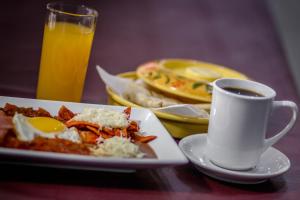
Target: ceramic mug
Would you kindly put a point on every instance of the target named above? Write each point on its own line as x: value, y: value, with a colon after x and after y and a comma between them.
x: 238, y: 123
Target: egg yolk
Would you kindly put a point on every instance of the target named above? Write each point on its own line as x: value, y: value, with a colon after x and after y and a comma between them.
x: 46, y: 124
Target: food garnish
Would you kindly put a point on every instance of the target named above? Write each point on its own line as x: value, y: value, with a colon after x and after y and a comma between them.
x: 94, y: 131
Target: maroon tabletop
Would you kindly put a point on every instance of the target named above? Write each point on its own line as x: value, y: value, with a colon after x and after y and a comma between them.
x: 233, y: 33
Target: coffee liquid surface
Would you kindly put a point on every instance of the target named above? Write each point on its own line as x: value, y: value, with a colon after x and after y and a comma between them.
x: 241, y: 91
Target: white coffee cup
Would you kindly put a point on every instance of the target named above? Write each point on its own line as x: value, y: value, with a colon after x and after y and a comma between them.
x: 238, y: 123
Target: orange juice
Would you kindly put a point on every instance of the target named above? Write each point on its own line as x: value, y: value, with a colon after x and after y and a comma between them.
x: 64, y: 61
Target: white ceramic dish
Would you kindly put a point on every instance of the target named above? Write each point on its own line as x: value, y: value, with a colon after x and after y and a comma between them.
x: 272, y: 163
x: 166, y: 149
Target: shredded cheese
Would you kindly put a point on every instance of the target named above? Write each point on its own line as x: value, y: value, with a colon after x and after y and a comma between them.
x: 117, y: 147
x: 103, y: 117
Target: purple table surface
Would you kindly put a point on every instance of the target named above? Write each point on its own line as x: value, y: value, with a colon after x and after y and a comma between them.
x: 233, y: 33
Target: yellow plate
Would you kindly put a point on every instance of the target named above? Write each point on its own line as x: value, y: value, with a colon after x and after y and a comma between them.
x: 178, y: 126
x: 172, y: 83
x: 199, y: 70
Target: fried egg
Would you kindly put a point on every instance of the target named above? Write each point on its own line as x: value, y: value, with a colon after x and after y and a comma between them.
x: 27, y: 128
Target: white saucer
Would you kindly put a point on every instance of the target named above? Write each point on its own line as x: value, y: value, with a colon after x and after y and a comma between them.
x: 272, y: 163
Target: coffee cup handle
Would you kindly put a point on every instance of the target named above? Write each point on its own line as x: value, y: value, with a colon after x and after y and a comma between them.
x: 277, y: 104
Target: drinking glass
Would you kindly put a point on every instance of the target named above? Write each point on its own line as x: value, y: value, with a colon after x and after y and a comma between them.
x: 68, y: 36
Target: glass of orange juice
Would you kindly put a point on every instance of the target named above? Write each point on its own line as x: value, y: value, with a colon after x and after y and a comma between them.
x: 68, y: 37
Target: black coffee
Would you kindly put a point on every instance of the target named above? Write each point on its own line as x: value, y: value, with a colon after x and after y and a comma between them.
x: 242, y: 92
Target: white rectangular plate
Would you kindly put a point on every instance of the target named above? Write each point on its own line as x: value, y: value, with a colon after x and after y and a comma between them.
x: 166, y: 149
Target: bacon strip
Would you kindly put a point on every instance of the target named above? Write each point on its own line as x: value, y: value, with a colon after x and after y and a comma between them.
x: 5, y: 124
x: 127, y: 111
x: 94, y: 130
x: 71, y: 123
x: 10, y: 110
x: 5, y: 121
x: 88, y: 137
x: 144, y: 139
x: 64, y: 114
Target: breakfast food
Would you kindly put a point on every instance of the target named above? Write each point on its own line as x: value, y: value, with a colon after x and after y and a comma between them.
x: 139, y: 93
x: 94, y: 131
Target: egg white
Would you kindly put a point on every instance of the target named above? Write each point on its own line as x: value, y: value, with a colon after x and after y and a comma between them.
x: 26, y: 132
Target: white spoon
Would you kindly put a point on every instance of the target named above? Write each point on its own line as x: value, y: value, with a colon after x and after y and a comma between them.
x: 184, y: 110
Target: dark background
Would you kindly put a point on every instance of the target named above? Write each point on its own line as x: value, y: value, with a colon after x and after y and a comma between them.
x: 233, y: 33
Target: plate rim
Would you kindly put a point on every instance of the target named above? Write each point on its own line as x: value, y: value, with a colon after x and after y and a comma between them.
x: 209, y: 64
